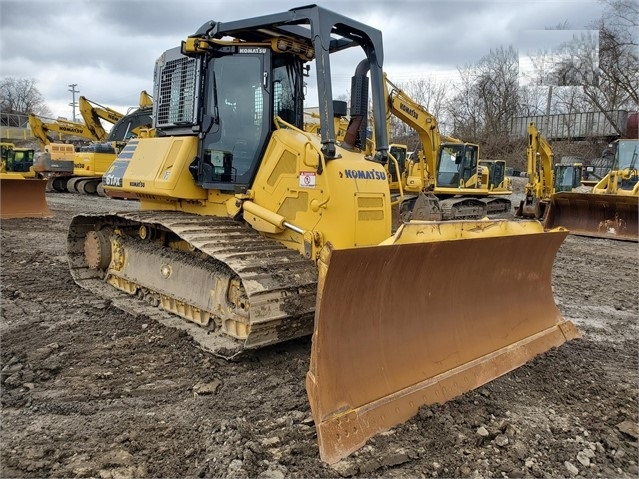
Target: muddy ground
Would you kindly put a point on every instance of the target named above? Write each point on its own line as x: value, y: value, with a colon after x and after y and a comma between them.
x: 90, y: 391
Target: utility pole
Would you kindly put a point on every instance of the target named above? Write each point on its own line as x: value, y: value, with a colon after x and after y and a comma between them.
x: 74, y: 103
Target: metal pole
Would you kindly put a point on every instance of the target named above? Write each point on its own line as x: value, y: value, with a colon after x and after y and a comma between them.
x: 73, y: 103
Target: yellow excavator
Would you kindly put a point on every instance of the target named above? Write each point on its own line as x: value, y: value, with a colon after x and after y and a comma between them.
x: 21, y: 194
x: 93, y: 160
x: 544, y: 179
x: 252, y: 231
x: 447, y: 179
x: 92, y: 114
x: 56, y: 162
x: 82, y: 169
x: 126, y: 125
x: 611, y: 210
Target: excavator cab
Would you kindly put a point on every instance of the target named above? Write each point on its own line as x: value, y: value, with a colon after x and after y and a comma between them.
x: 457, y: 164
x: 567, y: 177
x: 399, y: 152
x: 496, y: 173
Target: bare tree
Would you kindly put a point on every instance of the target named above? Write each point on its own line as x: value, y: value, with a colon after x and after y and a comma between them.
x: 488, y: 96
x: 618, y: 86
x: 464, y: 108
x: 429, y: 93
x: 20, y: 95
x: 426, y: 92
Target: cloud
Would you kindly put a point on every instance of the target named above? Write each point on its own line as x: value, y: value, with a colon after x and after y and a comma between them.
x: 109, y: 48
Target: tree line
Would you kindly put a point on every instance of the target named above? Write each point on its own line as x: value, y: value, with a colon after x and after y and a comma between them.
x: 597, y: 70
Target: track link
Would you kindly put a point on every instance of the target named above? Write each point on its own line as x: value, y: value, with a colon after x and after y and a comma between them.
x: 279, y: 284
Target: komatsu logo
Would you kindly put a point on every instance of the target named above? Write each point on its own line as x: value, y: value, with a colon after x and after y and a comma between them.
x: 252, y: 50
x: 408, y: 110
x: 365, y: 174
x: 70, y: 129
x: 138, y: 184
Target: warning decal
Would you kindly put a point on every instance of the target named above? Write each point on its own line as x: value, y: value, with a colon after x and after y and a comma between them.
x: 307, y: 179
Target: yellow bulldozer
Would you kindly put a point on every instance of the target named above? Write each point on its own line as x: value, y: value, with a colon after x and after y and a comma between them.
x: 611, y: 210
x: 21, y: 194
x: 252, y: 231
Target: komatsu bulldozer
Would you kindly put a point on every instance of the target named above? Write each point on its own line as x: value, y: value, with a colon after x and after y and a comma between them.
x: 21, y: 194
x: 612, y: 209
x: 252, y: 231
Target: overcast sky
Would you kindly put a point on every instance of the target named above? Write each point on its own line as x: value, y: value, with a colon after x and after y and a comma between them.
x: 108, y: 47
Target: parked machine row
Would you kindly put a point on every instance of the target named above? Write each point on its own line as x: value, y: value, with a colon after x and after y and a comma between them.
x: 80, y: 169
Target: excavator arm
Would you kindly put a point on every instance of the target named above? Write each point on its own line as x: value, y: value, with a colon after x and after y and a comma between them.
x: 42, y: 130
x: 539, y: 188
x: 92, y: 112
x: 544, y: 177
x: 400, y: 105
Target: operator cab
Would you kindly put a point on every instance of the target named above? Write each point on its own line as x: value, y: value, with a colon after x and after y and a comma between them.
x: 626, y: 160
x: 567, y: 177
x: 242, y: 90
x: 457, y: 163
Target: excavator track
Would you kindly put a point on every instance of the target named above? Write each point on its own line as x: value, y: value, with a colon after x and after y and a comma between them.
x: 237, y: 289
x: 463, y: 208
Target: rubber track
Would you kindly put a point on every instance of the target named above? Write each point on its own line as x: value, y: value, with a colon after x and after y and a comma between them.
x: 263, y: 265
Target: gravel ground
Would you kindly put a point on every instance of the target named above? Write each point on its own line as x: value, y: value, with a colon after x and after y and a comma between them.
x: 90, y: 391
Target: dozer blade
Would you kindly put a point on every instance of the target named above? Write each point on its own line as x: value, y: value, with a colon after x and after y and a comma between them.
x: 595, y: 215
x: 442, y: 310
x: 22, y: 198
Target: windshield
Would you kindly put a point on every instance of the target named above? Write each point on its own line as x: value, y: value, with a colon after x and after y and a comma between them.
x: 236, y: 101
x: 627, y: 152
x: 449, y: 158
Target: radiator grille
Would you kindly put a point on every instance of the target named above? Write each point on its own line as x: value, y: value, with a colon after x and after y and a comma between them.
x: 176, y: 102
x: 368, y: 202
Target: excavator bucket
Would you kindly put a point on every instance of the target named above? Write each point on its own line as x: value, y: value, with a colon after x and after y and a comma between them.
x: 595, y: 215
x: 22, y: 198
x: 440, y: 309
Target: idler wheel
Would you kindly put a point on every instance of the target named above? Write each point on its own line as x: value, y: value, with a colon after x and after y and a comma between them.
x: 97, y: 250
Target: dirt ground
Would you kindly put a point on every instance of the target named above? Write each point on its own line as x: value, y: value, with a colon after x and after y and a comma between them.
x: 90, y: 391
